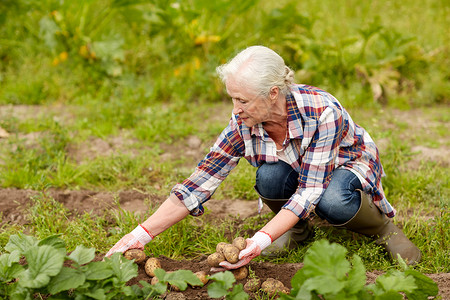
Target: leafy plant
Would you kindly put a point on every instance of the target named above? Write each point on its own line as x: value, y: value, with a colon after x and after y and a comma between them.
x: 179, y: 278
x: 327, y: 274
x: 49, y: 271
x: 223, y: 287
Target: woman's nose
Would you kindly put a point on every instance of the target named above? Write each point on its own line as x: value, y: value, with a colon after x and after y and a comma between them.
x: 236, y: 109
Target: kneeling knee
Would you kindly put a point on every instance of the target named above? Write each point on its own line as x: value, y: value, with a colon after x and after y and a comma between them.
x: 338, y: 208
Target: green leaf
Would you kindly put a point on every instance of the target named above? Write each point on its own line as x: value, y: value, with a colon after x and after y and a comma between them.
x: 217, y: 290
x: 178, y: 278
x: 9, y: 266
x: 10, y: 273
x: 47, y: 31
x: 97, y: 270
x: 425, y: 286
x: 305, y: 293
x: 341, y: 295
x: 54, y: 241
x: 21, y: 293
x: 326, y: 259
x: 356, y: 276
x: 160, y: 274
x: 132, y: 291
x: 396, y: 282
x: 43, y: 262
x: 123, y: 268
x: 222, y: 282
x: 181, y: 278
x: 389, y: 296
x: 298, y: 279
x: 20, y: 242
x: 110, y: 48
x: 238, y: 293
x: 316, y: 283
x: 82, y: 255
x: 9, y: 258
x: 99, y: 294
x: 67, y: 279
x: 152, y: 290
x: 226, y: 278
x: 325, y: 262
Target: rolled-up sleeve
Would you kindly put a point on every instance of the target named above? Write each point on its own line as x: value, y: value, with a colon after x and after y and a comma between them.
x: 212, y: 170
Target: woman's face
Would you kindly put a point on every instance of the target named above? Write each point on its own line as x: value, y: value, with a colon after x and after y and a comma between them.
x: 251, y: 107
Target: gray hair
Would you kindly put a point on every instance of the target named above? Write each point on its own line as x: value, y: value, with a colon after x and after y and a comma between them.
x: 259, y: 68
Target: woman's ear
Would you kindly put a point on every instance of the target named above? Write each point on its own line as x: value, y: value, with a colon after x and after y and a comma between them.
x: 273, y: 93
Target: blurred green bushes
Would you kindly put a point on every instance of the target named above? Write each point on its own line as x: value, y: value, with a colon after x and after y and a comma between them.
x: 163, y: 50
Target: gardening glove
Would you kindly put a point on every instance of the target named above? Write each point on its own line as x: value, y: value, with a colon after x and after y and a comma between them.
x: 136, y: 239
x: 255, y: 245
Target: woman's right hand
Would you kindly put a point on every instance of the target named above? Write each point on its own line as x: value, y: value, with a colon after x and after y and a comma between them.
x: 255, y: 245
x: 136, y: 239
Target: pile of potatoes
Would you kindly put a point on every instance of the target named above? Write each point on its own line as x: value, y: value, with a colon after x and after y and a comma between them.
x: 230, y: 253
x: 224, y: 252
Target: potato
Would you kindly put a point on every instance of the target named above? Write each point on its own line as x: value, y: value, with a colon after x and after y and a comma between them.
x: 151, y: 265
x: 252, y: 285
x: 272, y: 286
x: 175, y: 296
x: 240, y: 243
x: 136, y: 254
x: 240, y: 273
x: 214, y: 259
x: 231, y: 254
x: 220, y: 246
x: 286, y: 290
x: 154, y: 280
x: 202, y: 276
x: 174, y: 288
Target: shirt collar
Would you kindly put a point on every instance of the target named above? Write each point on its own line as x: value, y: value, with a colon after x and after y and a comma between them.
x: 295, y: 127
x: 295, y: 122
x: 257, y: 130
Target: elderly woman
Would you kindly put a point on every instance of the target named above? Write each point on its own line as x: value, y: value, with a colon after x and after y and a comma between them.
x: 310, y: 156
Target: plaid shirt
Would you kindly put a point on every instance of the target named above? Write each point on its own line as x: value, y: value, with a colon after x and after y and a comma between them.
x: 322, y: 137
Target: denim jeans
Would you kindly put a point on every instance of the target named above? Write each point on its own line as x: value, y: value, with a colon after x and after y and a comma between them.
x: 338, y: 204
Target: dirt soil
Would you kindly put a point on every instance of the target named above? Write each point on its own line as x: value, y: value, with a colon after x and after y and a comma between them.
x: 13, y: 203
x: 264, y: 270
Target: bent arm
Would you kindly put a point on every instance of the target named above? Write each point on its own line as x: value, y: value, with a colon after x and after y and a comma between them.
x: 169, y: 213
x: 282, y: 222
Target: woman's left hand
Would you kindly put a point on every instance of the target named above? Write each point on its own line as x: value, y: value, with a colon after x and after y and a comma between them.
x: 245, y: 256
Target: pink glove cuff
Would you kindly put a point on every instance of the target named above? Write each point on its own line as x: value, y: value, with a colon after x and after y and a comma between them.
x: 142, y: 235
x: 262, y: 239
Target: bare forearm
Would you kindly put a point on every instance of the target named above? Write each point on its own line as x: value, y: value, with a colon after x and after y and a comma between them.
x: 282, y: 222
x: 169, y: 213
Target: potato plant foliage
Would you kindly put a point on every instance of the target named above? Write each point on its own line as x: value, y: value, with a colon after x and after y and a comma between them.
x: 327, y: 272
x: 31, y: 268
x: 44, y: 273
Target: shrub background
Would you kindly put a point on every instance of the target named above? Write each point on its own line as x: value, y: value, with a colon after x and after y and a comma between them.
x: 143, y: 52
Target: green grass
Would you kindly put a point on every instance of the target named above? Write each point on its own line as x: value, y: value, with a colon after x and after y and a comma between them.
x: 194, y: 237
